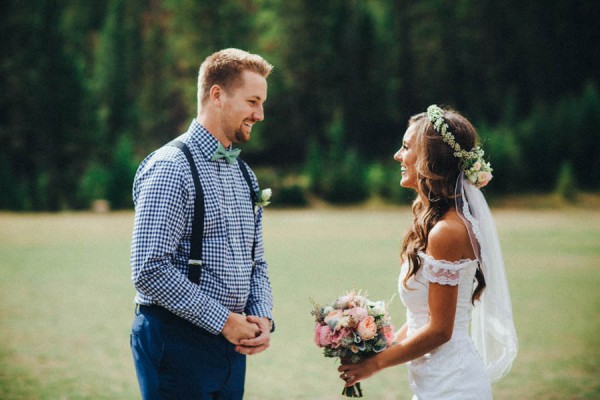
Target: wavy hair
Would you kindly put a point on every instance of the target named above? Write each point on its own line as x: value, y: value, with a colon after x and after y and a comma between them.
x: 437, y: 170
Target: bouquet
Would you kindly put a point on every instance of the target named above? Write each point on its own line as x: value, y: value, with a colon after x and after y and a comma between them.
x: 352, y: 328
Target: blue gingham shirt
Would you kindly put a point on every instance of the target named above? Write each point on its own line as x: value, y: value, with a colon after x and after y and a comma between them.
x: 164, y: 194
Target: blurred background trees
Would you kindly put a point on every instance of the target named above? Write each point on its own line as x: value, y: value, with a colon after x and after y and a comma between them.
x: 89, y: 88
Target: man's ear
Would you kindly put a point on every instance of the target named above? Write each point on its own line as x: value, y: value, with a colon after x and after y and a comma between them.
x: 215, y: 94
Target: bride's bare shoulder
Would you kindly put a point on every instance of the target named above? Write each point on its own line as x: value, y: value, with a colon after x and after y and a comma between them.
x: 449, y: 240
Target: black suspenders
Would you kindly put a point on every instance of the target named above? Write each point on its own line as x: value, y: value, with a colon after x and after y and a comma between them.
x: 253, y: 198
x: 195, y: 260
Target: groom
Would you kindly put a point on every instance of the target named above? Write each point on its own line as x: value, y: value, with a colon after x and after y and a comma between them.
x: 202, y: 305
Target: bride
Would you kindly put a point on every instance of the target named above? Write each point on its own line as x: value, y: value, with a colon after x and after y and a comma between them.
x: 452, y: 271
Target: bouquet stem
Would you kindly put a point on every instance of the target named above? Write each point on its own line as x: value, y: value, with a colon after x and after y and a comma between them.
x: 353, y: 391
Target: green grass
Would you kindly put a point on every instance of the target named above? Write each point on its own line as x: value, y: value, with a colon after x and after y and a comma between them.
x: 66, y: 302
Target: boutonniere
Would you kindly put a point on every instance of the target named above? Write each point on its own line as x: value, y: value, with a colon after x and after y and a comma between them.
x: 263, y: 197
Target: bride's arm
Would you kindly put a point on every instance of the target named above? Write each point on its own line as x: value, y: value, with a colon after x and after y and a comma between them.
x: 442, y: 310
x: 401, y: 333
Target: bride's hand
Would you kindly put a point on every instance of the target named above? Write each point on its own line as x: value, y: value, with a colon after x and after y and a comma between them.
x: 353, y: 373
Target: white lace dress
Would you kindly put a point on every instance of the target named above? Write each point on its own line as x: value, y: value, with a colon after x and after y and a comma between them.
x: 454, y: 370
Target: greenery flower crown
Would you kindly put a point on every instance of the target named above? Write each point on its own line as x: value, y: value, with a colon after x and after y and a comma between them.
x: 476, y: 169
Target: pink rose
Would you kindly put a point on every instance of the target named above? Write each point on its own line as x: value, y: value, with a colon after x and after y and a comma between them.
x: 483, y: 178
x: 388, y: 333
x: 323, y: 335
x: 367, y: 328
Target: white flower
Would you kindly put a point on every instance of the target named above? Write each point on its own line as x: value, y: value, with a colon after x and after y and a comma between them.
x: 349, y: 300
x: 477, y: 171
x: 376, y: 307
x: 263, y: 197
x: 472, y: 178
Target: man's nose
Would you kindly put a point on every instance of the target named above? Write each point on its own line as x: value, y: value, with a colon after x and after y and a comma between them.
x: 259, y: 115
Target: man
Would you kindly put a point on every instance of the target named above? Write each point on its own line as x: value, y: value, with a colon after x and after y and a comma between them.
x: 189, y: 340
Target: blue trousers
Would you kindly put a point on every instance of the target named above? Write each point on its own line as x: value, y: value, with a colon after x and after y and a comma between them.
x: 175, y: 359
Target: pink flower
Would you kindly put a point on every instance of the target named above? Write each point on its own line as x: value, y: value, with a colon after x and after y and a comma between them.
x: 483, y: 178
x: 323, y: 335
x: 356, y: 314
x: 346, y: 301
x: 367, y: 328
x: 337, y: 336
x: 335, y: 314
x: 388, y: 333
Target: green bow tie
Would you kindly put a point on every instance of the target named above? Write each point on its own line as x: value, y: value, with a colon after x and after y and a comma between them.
x: 229, y: 155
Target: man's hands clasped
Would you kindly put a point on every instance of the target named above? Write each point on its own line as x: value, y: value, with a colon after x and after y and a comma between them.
x: 250, y: 334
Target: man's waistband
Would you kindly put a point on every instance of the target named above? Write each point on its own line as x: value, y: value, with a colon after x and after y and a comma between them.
x: 168, y: 316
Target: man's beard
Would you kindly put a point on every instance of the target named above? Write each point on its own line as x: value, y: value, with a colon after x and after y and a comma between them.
x: 240, y: 137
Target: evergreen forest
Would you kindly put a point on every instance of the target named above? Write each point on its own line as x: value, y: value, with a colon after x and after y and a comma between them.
x: 89, y: 88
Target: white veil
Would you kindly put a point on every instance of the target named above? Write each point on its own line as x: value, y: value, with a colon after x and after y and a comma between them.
x: 492, y: 326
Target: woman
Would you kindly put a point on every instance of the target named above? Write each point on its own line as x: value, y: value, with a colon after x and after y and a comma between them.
x: 451, y: 265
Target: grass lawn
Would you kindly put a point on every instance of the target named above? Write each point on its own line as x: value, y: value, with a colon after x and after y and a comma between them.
x: 66, y: 302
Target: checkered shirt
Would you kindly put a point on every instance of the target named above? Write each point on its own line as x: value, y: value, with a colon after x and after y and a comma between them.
x: 164, y: 194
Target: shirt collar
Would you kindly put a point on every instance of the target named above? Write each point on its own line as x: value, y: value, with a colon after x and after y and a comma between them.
x: 202, y: 138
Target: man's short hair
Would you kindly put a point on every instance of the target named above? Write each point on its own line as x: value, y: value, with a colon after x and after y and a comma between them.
x: 224, y: 68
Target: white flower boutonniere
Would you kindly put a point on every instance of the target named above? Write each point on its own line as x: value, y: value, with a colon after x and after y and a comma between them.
x: 263, y: 197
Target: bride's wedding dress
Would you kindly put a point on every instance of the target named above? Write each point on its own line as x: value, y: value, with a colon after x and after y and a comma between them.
x: 454, y: 370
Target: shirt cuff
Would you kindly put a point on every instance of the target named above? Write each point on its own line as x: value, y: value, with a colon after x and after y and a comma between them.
x: 214, y: 321
x: 259, y: 310
x: 263, y: 312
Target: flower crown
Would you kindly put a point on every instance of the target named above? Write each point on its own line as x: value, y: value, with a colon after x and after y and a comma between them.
x: 475, y: 168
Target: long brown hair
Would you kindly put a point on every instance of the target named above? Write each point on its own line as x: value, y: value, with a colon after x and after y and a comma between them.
x: 437, y: 170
